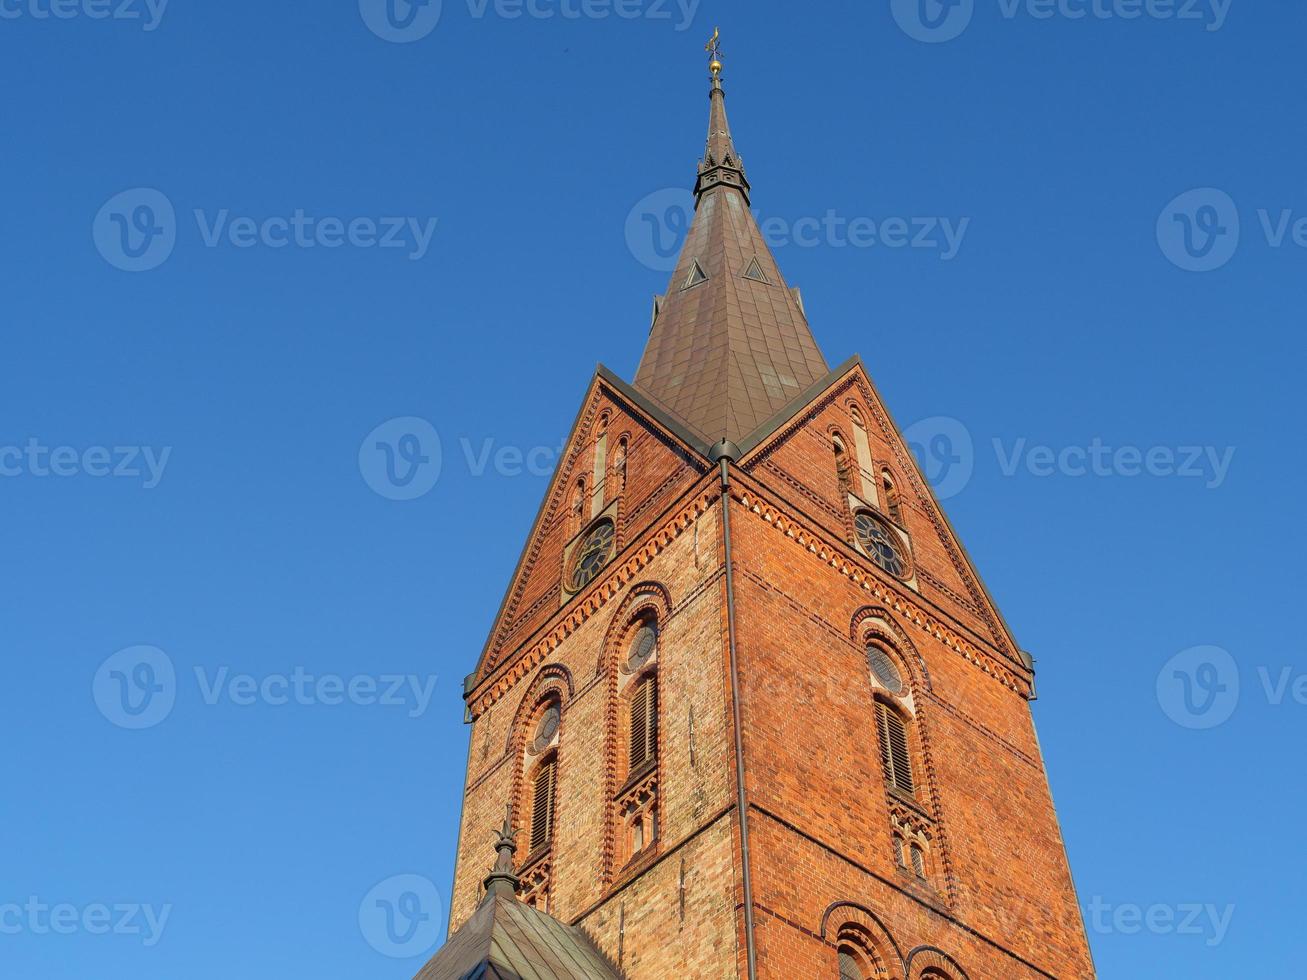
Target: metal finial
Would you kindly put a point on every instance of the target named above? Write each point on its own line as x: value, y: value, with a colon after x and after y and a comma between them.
x: 501, y: 878
x: 714, y: 49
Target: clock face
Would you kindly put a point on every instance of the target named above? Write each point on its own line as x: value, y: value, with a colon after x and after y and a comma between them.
x: 882, y: 543
x: 591, y: 555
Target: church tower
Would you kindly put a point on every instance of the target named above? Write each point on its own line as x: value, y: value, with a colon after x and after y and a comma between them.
x: 747, y: 705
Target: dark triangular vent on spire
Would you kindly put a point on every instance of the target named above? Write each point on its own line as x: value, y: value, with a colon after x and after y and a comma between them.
x: 755, y: 273
x: 696, y: 276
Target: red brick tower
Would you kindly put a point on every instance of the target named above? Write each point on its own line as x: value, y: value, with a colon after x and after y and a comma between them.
x: 750, y: 706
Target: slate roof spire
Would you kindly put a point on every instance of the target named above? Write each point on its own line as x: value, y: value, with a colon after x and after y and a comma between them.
x: 730, y: 345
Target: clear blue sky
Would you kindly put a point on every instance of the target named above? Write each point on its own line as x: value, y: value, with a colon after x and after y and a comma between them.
x: 1063, y: 320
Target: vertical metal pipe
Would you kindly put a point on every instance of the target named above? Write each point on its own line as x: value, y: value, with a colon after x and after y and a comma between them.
x: 742, y: 802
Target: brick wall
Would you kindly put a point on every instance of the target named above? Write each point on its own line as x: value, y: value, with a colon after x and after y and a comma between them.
x: 998, y: 898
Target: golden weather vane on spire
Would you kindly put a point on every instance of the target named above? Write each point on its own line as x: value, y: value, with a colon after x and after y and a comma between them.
x: 714, y: 49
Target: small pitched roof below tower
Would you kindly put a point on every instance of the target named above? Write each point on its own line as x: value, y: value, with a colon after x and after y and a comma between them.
x: 730, y: 344
x: 507, y: 940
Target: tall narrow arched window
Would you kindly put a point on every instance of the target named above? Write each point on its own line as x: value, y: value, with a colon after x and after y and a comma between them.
x: 542, y: 802
x: 636, y: 802
x: 843, y: 468
x: 900, y: 851
x: 598, y: 496
x: 893, y: 505
x: 535, y: 793
x: 918, y: 861
x: 619, y: 465
x: 895, y: 756
x: 576, y: 512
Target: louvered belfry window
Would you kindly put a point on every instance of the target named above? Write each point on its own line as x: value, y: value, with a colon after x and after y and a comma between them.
x: 644, y: 722
x: 894, y: 755
x: 542, y: 807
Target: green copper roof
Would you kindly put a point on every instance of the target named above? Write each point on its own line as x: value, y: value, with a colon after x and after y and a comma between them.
x: 507, y: 940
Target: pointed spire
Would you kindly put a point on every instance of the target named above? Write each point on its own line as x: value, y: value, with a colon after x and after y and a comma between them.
x: 721, y: 164
x: 502, y: 880
x: 730, y: 345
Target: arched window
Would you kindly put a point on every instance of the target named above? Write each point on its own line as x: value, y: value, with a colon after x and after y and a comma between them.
x: 893, y: 505
x: 538, y: 740
x: 598, y: 497
x: 857, y: 957
x: 542, y: 803
x: 850, y: 968
x: 900, y: 851
x: 619, y: 465
x: 895, y: 756
x: 843, y: 468
x: 918, y: 861
x: 636, y: 803
x: 576, y: 515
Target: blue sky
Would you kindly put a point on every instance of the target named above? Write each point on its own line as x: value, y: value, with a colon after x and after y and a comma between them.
x: 1109, y: 360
